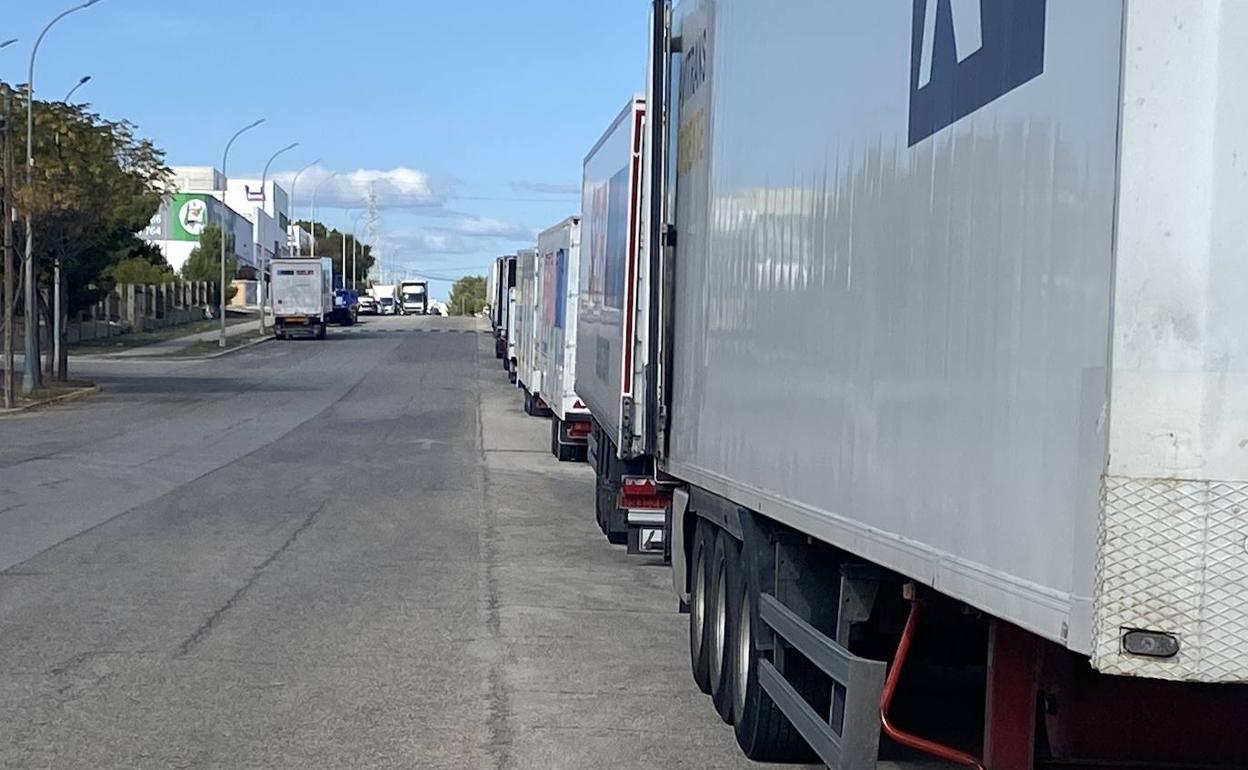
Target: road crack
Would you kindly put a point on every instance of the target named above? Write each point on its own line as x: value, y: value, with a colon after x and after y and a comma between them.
x: 205, y: 628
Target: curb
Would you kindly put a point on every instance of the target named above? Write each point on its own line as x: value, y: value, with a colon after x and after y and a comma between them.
x: 231, y: 351
x: 73, y: 395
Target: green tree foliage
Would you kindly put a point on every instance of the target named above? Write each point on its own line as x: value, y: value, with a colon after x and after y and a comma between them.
x: 141, y: 263
x: 329, y: 244
x: 204, y: 263
x: 467, y: 295
x: 139, y: 270
x: 95, y: 184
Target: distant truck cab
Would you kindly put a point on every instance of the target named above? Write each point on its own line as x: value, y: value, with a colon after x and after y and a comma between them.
x: 414, y: 297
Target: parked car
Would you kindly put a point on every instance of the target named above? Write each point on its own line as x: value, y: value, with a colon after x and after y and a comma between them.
x: 368, y: 305
x: 346, y: 307
x: 388, y: 305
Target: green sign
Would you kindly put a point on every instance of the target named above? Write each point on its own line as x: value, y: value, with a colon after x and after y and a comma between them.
x: 189, y: 214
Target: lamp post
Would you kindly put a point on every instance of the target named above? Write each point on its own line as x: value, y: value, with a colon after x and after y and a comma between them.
x: 225, y: 157
x: 355, y: 247
x: 313, y: 210
x: 81, y: 82
x: 31, y: 374
x: 8, y: 42
x: 298, y: 249
x: 264, y: 200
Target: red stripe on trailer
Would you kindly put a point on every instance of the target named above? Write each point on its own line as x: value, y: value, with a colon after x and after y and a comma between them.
x: 633, y: 234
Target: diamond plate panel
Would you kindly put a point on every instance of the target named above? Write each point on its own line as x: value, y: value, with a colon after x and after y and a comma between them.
x: 1173, y: 557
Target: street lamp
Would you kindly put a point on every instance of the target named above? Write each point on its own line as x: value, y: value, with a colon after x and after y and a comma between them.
x: 82, y: 82
x: 8, y: 42
x: 30, y: 375
x: 225, y: 156
x: 264, y: 200
x: 355, y: 243
x: 312, y: 213
x: 298, y: 250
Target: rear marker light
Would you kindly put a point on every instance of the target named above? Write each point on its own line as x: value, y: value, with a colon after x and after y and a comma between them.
x: 1151, y: 644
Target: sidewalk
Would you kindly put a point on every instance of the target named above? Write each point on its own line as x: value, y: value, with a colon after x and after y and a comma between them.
x: 178, y: 344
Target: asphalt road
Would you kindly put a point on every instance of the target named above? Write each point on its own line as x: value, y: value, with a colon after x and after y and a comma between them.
x: 349, y: 553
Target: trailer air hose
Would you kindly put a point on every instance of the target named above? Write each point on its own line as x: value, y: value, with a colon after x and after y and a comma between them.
x: 915, y: 742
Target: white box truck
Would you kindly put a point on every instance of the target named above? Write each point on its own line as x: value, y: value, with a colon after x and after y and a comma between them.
x: 952, y: 371
x: 303, y: 296
x: 558, y: 264
x: 414, y: 297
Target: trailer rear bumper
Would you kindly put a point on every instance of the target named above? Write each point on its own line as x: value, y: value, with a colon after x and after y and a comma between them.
x: 299, y: 326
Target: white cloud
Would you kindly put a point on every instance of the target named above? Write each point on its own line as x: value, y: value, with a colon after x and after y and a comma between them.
x: 396, y: 188
x: 484, y: 227
x: 466, y: 235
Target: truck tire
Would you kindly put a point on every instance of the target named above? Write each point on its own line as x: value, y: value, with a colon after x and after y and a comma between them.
x: 528, y: 403
x: 721, y: 625
x: 320, y: 331
x: 763, y: 732
x: 699, y: 576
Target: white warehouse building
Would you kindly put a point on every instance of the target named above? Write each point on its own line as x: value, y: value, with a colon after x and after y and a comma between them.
x: 255, y: 215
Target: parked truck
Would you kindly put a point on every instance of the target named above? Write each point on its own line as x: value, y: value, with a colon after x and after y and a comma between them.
x: 387, y: 295
x: 526, y: 327
x: 414, y: 297
x: 511, y: 329
x: 303, y: 296
x: 931, y: 350
x: 558, y: 263
x: 504, y: 283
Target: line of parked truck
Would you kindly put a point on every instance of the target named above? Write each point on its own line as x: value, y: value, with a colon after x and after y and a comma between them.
x: 913, y: 335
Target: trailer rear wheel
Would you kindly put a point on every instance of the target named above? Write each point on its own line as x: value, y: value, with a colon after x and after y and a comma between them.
x: 763, y: 732
x: 703, y: 542
x: 721, y: 622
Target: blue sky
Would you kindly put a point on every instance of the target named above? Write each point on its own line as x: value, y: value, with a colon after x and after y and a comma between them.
x: 472, y: 116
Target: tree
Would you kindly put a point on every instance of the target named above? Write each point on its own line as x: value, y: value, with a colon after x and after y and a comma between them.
x: 204, y: 262
x: 94, y: 185
x: 139, y: 270
x: 329, y: 244
x: 467, y: 295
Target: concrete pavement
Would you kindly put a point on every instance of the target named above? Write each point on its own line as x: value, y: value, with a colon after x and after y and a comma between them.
x: 349, y: 553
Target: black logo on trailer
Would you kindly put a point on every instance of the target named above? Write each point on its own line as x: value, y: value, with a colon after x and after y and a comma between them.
x: 965, y: 54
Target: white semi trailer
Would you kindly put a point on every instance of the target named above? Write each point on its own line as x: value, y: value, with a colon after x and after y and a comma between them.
x: 509, y: 331
x: 612, y: 361
x: 528, y: 306
x: 498, y: 305
x: 945, y: 366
